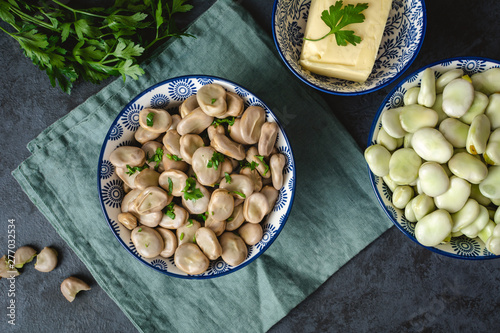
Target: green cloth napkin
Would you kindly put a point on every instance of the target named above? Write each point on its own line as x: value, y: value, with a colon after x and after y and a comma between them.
x: 334, y: 216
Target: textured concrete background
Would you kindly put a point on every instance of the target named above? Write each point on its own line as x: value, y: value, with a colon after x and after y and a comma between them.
x: 392, y: 286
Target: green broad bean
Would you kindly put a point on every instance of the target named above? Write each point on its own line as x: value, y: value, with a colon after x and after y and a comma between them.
x: 466, y: 166
x: 388, y: 141
x: 487, y: 82
x: 378, y: 157
x: 478, y: 107
x: 466, y: 215
x: 422, y: 205
x: 478, y: 224
x: 411, y: 96
x: 427, y: 93
x: 434, y: 228
x: 478, y: 135
x: 433, y: 179
x: 455, y: 197
x: 493, y: 111
x: 404, y: 165
x: 490, y: 186
x: 454, y: 131
x: 447, y: 77
x: 431, y: 145
x: 414, y: 117
x: 402, y: 195
x: 391, y: 123
x: 457, y: 97
x: 487, y: 231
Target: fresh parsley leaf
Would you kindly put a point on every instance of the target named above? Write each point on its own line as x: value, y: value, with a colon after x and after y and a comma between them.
x: 173, y: 157
x: 227, y: 177
x: 216, y: 160
x: 214, y: 100
x: 170, y: 186
x: 132, y: 170
x: 229, y: 219
x: 245, y: 164
x: 90, y: 43
x: 157, y: 157
x: 169, y: 210
x: 240, y: 194
x: 181, y: 237
x: 190, y: 223
x: 228, y: 120
x: 149, y: 119
x: 190, y: 191
x: 140, y: 229
x: 266, y: 167
x: 339, y: 17
x: 202, y: 217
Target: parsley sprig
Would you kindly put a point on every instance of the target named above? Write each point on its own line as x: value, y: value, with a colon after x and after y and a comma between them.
x: 132, y: 170
x: 92, y: 43
x: 216, y: 160
x: 157, y: 157
x: 169, y: 210
x: 266, y: 167
x: 228, y: 120
x: 190, y: 190
x: 339, y: 17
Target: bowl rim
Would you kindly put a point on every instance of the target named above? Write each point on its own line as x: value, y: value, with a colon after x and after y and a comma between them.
x: 370, y: 135
x: 354, y: 93
x: 107, y: 139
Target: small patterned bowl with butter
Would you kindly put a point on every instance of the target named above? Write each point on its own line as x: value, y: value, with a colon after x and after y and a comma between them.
x: 400, y: 42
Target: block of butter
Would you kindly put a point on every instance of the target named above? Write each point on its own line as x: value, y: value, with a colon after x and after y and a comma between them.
x: 349, y: 62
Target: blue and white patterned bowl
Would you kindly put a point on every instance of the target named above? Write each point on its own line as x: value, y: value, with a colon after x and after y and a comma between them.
x: 402, y: 39
x: 459, y: 247
x: 169, y: 95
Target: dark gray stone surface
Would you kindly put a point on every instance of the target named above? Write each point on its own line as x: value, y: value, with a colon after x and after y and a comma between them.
x: 392, y: 286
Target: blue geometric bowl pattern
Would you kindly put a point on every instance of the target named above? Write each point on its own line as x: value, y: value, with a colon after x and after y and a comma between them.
x: 403, y: 36
x: 459, y: 247
x: 169, y: 95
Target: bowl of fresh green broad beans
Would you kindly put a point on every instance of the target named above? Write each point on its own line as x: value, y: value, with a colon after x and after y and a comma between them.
x: 433, y: 157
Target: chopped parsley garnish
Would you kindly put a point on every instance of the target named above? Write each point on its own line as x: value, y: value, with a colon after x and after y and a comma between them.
x: 190, y: 191
x: 190, y: 223
x: 132, y: 170
x: 170, y: 186
x: 266, y: 167
x: 157, y: 157
x: 147, y: 244
x: 173, y: 157
x: 240, y: 194
x: 169, y: 211
x: 229, y: 219
x: 202, y: 216
x: 216, y: 160
x: 181, y: 237
x: 140, y: 229
x: 149, y: 119
x: 246, y: 164
x: 194, y: 238
x: 227, y: 177
x: 338, y: 17
x: 228, y: 120
x: 214, y: 100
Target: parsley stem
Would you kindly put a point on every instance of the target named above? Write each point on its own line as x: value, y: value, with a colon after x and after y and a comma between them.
x: 32, y: 19
x: 78, y: 11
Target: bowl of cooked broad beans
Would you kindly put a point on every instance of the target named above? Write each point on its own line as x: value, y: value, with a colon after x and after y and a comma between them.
x: 434, y: 157
x: 196, y: 177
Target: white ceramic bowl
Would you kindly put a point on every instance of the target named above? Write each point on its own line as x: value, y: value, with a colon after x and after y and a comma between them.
x: 169, y: 95
x: 459, y: 247
x: 402, y: 39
